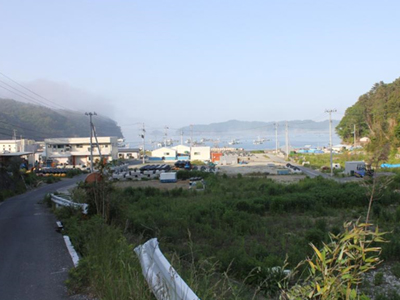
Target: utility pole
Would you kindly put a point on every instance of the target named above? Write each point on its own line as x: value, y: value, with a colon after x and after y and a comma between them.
x: 330, y: 111
x: 91, y: 137
x: 181, y: 137
x: 165, y: 136
x: 191, y: 136
x: 15, y: 134
x: 287, y: 141
x: 142, y: 135
x: 276, y: 138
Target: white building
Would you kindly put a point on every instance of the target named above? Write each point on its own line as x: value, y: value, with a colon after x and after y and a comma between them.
x: 165, y: 153
x: 129, y: 153
x: 182, y: 149
x: 76, y: 151
x: 13, y: 146
x: 200, y: 153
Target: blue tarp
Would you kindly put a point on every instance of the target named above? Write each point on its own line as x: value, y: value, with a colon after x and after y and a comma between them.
x: 390, y: 166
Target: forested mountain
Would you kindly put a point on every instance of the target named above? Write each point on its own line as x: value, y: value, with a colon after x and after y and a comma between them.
x: 376, y: 114
x: 235, y: 126
x: 38, y: 122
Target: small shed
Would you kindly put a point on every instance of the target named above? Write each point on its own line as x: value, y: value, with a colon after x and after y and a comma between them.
x: 352, y: 166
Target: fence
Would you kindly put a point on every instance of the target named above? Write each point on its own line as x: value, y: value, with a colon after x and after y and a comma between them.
x: 162, y: 278
x: 64, y: 202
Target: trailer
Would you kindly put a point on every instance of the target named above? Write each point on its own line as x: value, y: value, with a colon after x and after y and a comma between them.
x: 168, y: 177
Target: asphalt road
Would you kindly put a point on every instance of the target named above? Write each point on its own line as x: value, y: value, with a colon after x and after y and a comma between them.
x: 34, y: 261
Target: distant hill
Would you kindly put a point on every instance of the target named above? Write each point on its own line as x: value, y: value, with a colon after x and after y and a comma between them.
x: 245, y: 126
x: 376, y: 114
x: 38, y: 122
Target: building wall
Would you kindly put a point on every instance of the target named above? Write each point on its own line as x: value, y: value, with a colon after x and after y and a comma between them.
x: 10, y: 146
x: 200, y: 153
x: 164, y: 152
x: 77, y: 150
x: 182, y: 149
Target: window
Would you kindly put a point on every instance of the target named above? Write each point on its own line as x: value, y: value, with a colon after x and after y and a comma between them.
x: 105, y: 146
x: 166, y: 153
x: 60, y: 146
x: 79, y: 146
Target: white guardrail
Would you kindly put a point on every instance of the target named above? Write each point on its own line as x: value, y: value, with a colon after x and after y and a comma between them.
x: 64, y: 202
x: 162, y: 278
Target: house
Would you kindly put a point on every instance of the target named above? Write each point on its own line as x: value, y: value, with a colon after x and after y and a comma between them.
x: 128, y: 153
x: 200, y: 153
x: 164, y: 153
x: 76, y: 151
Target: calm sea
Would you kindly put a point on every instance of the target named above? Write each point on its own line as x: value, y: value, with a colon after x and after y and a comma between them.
x: 296, y: 140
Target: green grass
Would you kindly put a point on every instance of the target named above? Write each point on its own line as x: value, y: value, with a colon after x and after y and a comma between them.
x: 238, y: 224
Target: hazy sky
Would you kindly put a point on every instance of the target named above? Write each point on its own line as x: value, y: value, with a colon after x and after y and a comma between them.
x: 179, y: 62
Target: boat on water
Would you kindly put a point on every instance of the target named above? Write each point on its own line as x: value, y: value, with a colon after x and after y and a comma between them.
x: 234, y: 142
x: 258, y: 141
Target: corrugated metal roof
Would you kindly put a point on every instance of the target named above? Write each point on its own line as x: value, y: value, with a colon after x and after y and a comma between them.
x: 15, y: 153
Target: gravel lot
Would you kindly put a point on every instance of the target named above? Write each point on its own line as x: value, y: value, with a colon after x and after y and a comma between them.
x: 258, y: 166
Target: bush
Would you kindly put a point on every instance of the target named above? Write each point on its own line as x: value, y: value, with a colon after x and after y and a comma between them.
x: 73, y: 172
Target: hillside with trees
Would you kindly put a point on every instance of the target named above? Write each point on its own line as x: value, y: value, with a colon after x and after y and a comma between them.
x: 39, y: 122
x: 376, y: 115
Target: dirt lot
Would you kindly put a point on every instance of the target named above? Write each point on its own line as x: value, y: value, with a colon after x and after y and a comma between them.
x: 258, y: 166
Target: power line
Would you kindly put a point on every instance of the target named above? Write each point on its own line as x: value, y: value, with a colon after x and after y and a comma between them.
x: 18, y: 94
x: 32, y: 98
x: 52, y: 102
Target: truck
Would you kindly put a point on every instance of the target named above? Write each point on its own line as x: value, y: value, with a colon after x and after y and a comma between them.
x: 168, y: 177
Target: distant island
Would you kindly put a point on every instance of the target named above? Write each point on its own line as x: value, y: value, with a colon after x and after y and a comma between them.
x: 233, y: 126
x: 38, y: 122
